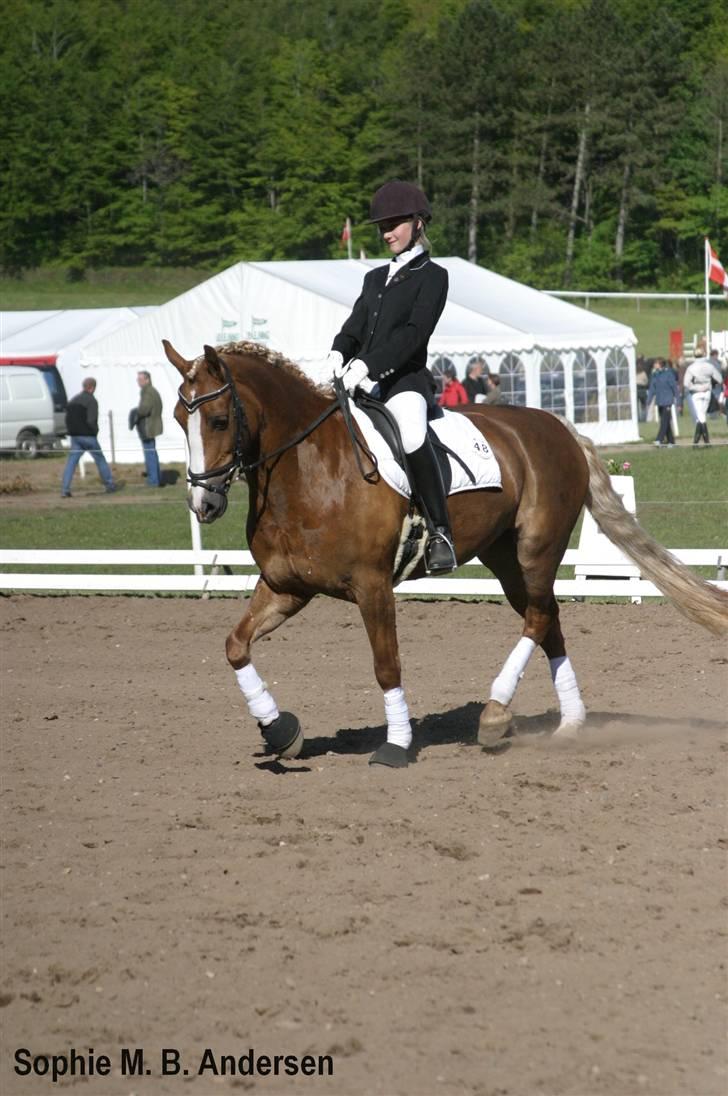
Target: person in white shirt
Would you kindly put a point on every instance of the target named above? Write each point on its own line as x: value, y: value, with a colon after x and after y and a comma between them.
x: 698, y: 383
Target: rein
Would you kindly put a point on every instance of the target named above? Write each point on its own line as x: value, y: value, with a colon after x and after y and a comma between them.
x: 238, y: 463
x: 341, y: 395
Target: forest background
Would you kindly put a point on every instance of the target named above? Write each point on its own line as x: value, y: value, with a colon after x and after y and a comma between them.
x: 566, y: 143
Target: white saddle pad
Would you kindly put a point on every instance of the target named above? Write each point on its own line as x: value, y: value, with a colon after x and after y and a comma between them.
x: 456, y: 432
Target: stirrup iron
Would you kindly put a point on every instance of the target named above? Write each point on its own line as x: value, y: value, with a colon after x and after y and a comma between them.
x: 439, y: 552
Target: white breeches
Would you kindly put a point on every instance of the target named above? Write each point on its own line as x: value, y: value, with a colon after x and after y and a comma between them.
x: 699, y: 402
x: 410, y: 411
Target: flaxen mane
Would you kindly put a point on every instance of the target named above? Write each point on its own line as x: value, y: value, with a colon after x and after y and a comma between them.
x: 260, y: 351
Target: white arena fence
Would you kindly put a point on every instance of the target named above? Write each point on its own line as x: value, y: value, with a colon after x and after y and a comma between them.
x: 595, y: 578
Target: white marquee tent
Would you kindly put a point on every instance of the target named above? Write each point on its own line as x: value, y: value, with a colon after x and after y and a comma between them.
x: 548, y: 353
x: 57, y: 336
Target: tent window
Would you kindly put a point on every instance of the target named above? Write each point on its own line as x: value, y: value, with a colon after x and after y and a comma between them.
x: 619, y: 401
x: 553, y: 397
x: 513, y: 380
x: 586, y: 388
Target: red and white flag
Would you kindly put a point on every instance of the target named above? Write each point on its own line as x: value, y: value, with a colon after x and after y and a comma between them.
x: 346, y: 232
x: 716, y: 271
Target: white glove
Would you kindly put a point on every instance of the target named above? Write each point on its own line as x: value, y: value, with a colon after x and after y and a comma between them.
x: 335, y: 363
x: 354, y: 373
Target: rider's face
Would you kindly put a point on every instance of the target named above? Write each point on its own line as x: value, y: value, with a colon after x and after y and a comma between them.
x: 397, y: 234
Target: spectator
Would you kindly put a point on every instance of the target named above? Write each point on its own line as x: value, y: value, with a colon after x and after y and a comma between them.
x: 663, y: 390
x: 453, y: 394
x: 699, y: 380
x: 493, y: 391
x: 474, y: 384
x: 82, y: 424
x: 148, y: 421
x: 643, y: 383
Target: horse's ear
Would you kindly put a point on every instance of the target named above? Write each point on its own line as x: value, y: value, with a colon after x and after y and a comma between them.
x: 213, y: 362
x: 176, y: 359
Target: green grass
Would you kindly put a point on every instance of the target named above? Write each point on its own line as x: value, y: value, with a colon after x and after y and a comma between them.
x: 681, y: 493
x: 652, y: 321
x: 49, y: 288
x: 102, y: 524
x: 682, y: 500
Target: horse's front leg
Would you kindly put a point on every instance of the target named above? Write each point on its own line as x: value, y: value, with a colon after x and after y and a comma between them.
x: 376, y: 604
x: 281, y: 730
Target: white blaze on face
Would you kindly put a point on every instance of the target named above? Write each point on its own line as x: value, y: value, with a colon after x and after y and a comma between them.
x: 196, y: 452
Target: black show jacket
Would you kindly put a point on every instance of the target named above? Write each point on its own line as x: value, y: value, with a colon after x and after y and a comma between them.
x: 390, y: 325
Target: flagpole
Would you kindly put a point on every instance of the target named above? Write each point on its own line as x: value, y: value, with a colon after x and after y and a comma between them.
x: 707, y: 298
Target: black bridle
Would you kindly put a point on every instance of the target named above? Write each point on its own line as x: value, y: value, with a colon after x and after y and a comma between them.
x: 238, y: 463
x: 197, y: 479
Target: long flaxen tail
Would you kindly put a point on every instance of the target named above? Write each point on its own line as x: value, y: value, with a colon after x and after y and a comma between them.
x: 697, y: 600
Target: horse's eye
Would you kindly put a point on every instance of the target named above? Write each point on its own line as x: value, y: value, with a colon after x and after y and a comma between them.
x: 220, y: 422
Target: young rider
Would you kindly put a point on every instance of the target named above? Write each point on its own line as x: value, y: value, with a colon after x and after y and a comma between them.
x: 384, y: 341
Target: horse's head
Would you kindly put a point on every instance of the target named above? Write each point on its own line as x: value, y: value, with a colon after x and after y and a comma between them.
x: 211, y: 415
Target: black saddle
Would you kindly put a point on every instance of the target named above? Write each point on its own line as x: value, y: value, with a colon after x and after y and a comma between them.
x: 385, y: 423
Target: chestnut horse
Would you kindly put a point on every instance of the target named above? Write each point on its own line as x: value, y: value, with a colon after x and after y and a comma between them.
x: 317, y: 526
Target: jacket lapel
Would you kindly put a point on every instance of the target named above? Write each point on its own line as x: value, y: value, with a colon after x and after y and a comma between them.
x: 410, y: 269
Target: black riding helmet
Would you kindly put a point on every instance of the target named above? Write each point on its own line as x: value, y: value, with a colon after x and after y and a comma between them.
x: 398, y: 199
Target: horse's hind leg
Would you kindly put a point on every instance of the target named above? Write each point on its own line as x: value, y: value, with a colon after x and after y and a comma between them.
x: 496, y: 717
x: 571, y: 706
x: 529, y: 590
x: 281, y: 730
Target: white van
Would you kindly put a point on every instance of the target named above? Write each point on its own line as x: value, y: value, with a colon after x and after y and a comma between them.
x: 32, y: 408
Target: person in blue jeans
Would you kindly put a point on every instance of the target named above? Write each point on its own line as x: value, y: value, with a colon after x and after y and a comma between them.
x: 148, y: 421
x: 663, y: 390
x: 82, y: 424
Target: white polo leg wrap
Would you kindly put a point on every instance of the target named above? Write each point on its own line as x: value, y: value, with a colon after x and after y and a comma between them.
x: 567, y: 690
x: 399, y: 731
x: 261, y: 704
x: 505, y: 684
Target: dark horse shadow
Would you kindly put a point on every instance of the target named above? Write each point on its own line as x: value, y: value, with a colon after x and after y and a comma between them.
x: 439, y: 729
x: 460, y: 726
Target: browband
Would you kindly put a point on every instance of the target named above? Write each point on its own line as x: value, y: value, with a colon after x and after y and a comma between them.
x: 192, y: 405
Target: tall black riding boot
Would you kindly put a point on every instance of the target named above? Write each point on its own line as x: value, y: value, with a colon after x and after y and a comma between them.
x: 428, y: 485
x: 706, y: 436
x: 698, y: 434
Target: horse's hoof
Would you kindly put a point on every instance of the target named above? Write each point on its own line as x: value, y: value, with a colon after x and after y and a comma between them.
x: 494, y: 722
x: 395, y: 757
x: 284, y: 735
x: 567, y: 732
